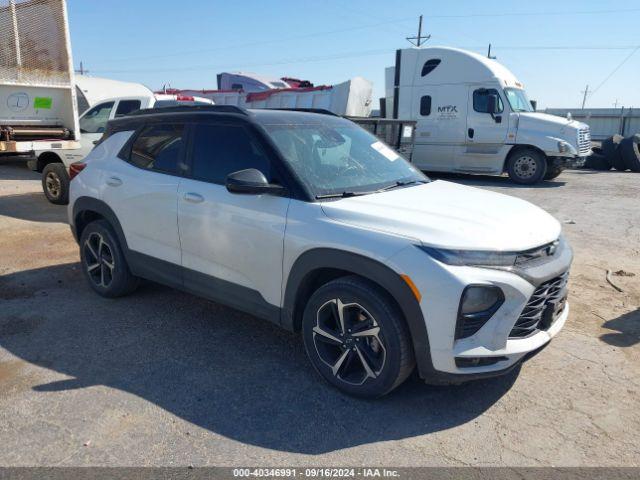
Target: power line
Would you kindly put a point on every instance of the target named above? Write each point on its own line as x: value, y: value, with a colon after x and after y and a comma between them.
x: 526, y: 14
x: 626, y: 59
x: 258, y: 43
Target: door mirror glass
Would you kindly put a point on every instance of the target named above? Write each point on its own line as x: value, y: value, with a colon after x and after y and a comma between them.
x: 251, y: 181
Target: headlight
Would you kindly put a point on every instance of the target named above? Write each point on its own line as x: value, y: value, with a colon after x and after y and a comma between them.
x: 477, y: 258
x: 566, y: 147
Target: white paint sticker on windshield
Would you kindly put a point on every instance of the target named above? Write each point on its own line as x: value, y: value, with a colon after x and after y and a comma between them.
x: 384, y: 150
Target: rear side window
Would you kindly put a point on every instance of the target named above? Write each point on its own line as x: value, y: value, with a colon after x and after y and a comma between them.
x: 480, y: 100
x: 159, y: 148
x: 430, y: 65
x: 425, y: 105
x: 219, y: 150
x: 127, y: 106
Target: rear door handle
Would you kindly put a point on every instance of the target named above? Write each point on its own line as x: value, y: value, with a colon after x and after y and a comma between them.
x: 114, y: 182
x: 193, y: 197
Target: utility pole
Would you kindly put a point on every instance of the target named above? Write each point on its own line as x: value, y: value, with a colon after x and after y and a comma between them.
x: 489, y: 54
x: 81, y: 70
x: 420, y: 37
x: 584, y: 98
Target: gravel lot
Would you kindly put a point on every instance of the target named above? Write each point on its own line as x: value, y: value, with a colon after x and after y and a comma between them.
x: 164, y: 378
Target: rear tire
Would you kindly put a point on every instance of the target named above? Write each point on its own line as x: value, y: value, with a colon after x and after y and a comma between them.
x: 553, y: 172
x: 630, y: 150
x: 611, y: 150
x: 527, y: 166
x: 55, y: 183
x: 103, y: 263
x: 356, y: 337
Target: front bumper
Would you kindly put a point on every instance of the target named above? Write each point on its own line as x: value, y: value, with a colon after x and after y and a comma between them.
x: 568, y: 162
x: 492, y: 346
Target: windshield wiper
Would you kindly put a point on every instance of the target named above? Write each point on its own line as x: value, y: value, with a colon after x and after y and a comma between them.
x: 401, y: 184
x: 345, y: 194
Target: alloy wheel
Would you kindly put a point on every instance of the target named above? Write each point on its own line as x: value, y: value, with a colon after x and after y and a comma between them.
x: 98, y: 260
x: 348, y: 340
x: 54, y: 186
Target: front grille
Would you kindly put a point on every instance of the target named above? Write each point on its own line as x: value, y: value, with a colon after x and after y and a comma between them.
x: 532, y: 315
x: 584, y: 142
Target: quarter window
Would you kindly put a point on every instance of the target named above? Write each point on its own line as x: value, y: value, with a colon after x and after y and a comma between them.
x: 95, y: 120
x: 425, y: 106
x: 159, y: 148
x: 219, y: 150
x: 430, y: 65
x: 481, y: 100
x: 127, y: 106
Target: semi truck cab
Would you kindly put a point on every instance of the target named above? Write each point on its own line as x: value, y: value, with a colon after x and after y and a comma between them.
x: 473, y: 116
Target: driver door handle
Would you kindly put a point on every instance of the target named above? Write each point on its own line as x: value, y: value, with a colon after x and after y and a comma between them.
x: 193, y: 197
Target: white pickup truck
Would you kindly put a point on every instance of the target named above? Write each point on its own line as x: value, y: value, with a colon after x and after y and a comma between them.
x: 54, y: 164
x: 473, y: 116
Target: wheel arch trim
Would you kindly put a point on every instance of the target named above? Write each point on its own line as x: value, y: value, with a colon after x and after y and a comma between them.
x: 328, y: 258
x: 89, y: 204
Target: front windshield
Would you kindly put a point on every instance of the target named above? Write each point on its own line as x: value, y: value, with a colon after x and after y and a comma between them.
x: 342, y: 159
x: 518, y: 100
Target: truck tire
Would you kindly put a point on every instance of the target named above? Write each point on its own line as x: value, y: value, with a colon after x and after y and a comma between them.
x: 597, y: 162
x: 553, y: 172
x: 611, y: 150
x: 630, y: 151
x: 55, y: 183
x: 527, y: 166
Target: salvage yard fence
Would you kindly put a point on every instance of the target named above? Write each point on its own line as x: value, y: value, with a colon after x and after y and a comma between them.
x: 604, y: 122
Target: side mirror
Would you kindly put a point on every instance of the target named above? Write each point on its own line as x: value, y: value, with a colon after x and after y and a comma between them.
x: 492, y: 103
x: 251, y: 181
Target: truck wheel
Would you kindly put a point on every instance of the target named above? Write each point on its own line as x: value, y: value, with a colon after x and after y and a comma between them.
x: 630, y: 150
x: 55, y: 183
x: 611, y: 150
x: 356, y: 337
x: 553, y: 172
x: 103, y: 262
x: 597, y: 162
x: 527, y: 166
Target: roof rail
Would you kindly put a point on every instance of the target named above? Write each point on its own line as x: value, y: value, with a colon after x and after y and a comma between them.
x: 322, y: 111
x: 192, y: 108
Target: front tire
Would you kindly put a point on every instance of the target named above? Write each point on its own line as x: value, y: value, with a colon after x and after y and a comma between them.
x: 103, y: 263
x: 356, y: 337
x: 527, y: 166
x: 55, y: 183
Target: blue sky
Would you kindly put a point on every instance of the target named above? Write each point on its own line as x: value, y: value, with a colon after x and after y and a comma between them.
x: 186, y: 43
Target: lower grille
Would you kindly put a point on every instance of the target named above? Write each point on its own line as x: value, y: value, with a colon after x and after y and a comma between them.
x: 550, y: 294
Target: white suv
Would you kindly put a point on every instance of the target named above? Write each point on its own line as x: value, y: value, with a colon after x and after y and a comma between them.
x: 309, y: 221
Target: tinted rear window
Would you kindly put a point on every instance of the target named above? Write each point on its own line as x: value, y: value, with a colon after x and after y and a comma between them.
x: 159, y: 148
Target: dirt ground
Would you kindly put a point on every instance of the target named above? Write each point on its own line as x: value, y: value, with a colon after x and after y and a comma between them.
x: 164, y: 378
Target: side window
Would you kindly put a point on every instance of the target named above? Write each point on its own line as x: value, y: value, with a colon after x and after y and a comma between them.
x: 425, y: 106
x: 95, y: 120
x: 159, y: 147
x: 219, y: 150
x: 430, y: 65
x: 480, y: 100
x: 127, y: 106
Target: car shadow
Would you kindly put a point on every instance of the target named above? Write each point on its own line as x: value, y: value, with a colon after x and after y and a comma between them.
x: 15, y: 168
x: 220, y: 369
x: 627, y: 328
x: 33, y: 207
x: 490, y: 180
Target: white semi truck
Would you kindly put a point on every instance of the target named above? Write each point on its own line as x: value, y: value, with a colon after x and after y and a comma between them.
x: 37, y: 93
x: 473, y: 116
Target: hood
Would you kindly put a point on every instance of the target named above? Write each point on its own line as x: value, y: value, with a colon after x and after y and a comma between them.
x: 449, y: 215
x: 549, y: 124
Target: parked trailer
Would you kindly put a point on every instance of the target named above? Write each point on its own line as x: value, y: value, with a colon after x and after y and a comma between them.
x: 350, y: 98
x: 473, y: 116
x: 37, y: 93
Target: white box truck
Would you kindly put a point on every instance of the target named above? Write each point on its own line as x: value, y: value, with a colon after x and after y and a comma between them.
x: 37, y: 93
x: 473, y: 116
